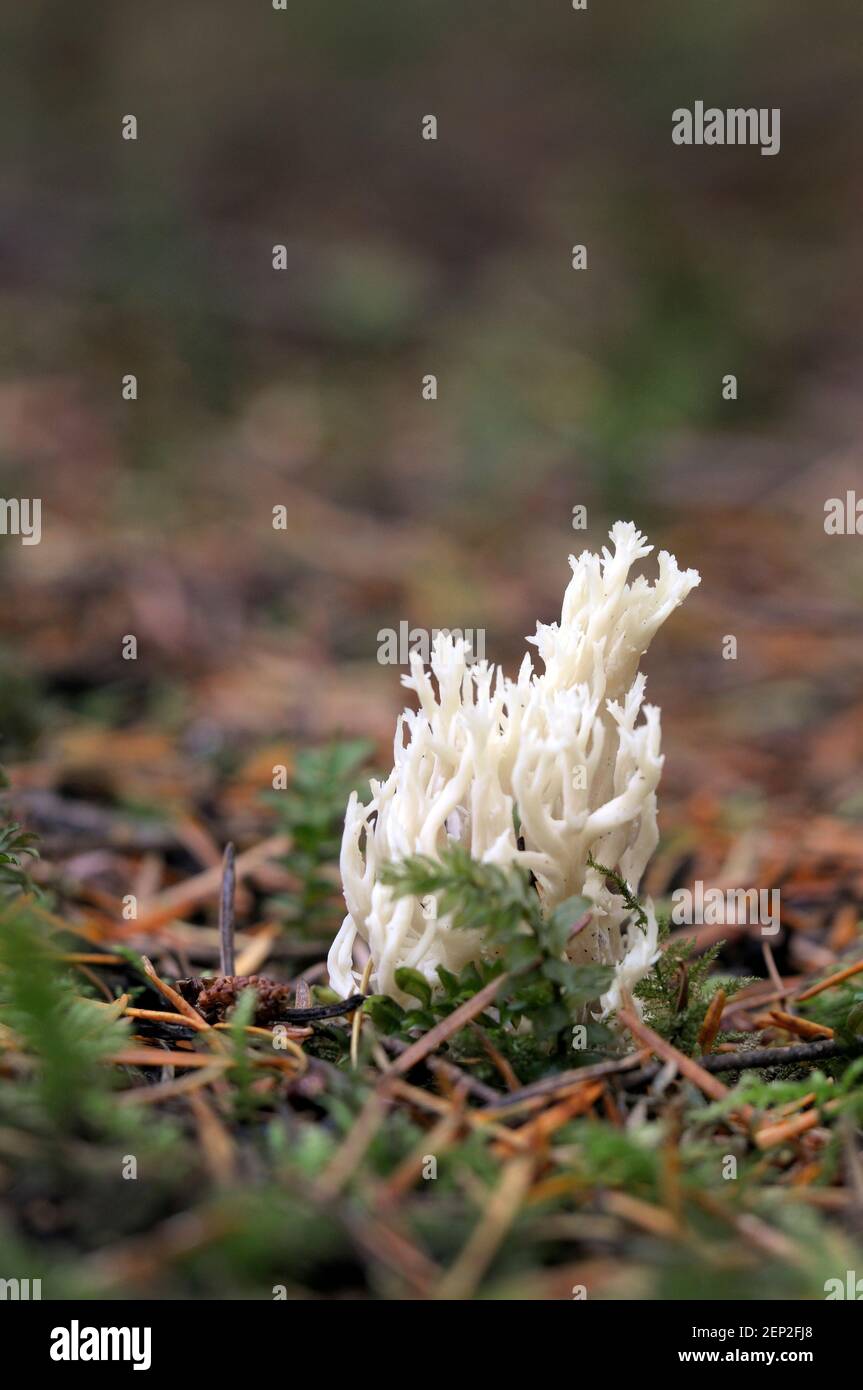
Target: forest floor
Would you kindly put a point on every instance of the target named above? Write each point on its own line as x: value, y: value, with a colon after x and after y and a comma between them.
x: 152, y: 1148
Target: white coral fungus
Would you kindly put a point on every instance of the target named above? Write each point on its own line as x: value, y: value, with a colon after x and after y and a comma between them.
x: 572, y: 748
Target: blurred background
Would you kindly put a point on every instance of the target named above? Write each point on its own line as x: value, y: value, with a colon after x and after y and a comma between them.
x: 303, y: 388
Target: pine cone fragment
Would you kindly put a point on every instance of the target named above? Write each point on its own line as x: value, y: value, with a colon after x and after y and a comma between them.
x: 214, y: 999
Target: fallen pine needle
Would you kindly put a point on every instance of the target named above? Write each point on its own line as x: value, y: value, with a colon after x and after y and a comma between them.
x: 392, y: 1248
x: 217, y: 1146
x: 809, y: 1173
x: 539, y: 1130
x: 477, y: 1119
x: 801, y: 1027
x: 144, y: 1259
x: 754, y: 1230
x: 458, y: 1019
x: 831, y: 981
x: 347, y: 1159
x: 410, y: 1170
x: 159, y: 1016
x: 115, y: 1009
x: 180, y: 1004
x: 161, y: 1057
x: 771, y: 1135
x: 462, y: 1277
x: 712, y: 1020
x: 286, y: 1044
x: 510, y: 1080
x: 89, y: 958
x: 655, y: 1220
x: 529, y: 1097
x: 660, y: 1048
x: 791, y: 1106
x: 179, y: 1086
x: 253, y: 955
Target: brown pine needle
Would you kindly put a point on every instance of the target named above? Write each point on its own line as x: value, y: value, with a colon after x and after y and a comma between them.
x: 115, y: 1008
x: 801, y: 1027
x: 832, y: 980
x: 437, y: 1105
x: 288, y: 1043
x: 770, y: 1135
x: 410, y: 1170
x: 181, y: 1005
x: 510, y: 1080
x: 844, y: 929
x: 347, y: 1159
x: 712, y: 1020
x: 89, y: 958
x: 291, y: 1033
x: 217, y: 1146
x: 791, y: 1106
x: 462, y: 1278
x: 179, y: 1086
x: 529, y: 1097
x: 393, y: 1249
x: 802, y: 1177
x: 256, y: 951
x: 95, y: 980
x: 706, y: 1083
x: 540, y: 1129
x: 143, y: 1259
x: 778, y: 983
x: 753, y: 1229
x: 655, y: 1220
x: 457, y: 1020
x: 160, y: 1016
x: 160, y: 1057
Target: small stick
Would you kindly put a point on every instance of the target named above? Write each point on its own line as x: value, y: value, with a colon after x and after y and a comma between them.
x: 566, y: 1080
x: 226, y: 911
x: 781, y: 988
x: 320, y: 1011
x: 756, y: 1057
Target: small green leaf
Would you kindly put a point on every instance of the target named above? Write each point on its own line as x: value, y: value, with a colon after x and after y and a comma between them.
x: 564, y: 918
x: 415, y: 984
x: 580, y: 983
x: 385, y: 1013
x: 448, y: 980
